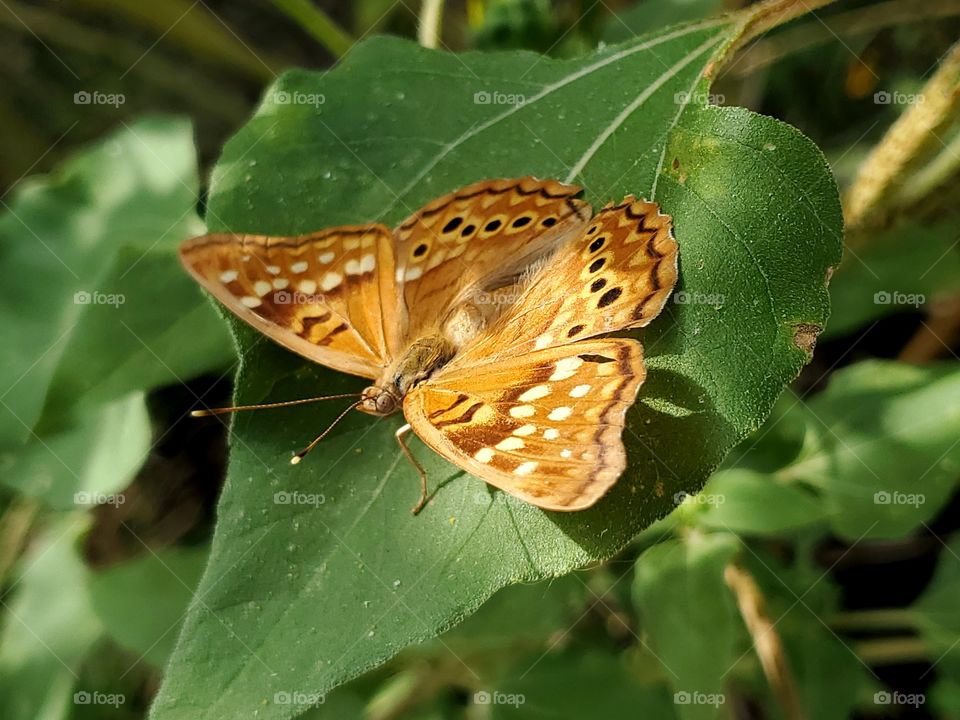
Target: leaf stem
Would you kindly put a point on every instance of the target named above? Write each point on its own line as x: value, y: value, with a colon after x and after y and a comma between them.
x: 893, y: 651
x: 317, y: 24
x: 880, y: 619
x: 431, y: 17
x: 766, y: 640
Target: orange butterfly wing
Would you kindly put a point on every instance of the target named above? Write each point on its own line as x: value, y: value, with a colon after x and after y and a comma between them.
x: 329, y: 296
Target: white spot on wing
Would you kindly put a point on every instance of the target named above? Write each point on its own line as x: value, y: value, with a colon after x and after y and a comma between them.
x: 566, y: 368
x: 483, y: 455
x: 565, y: 453
x: 307, y: 287
x: 228, y: 276
x: 280, y: 283
x: 250, y: 301
x: 542, y: 342
x: 525, y: 430
x: 560, y: 413
x: 412, y: 274
x: 526, y: 468
x: 327, y: 257
x: 299, y: 267
x: 273, y: 269
x: 367, y: 263
x: 579, y: 391
x: 352, y: 267
x: 510, y: 443
x: 535, y: 393
x: 522, y: 411
x: 551, y: 434
x: 262, y: 287
x: 330, y: 281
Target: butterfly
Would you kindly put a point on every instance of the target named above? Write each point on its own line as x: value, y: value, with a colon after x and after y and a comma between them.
x: 482, y: 317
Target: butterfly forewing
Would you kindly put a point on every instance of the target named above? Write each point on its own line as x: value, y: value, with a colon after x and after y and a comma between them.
x: 330, y: 296
x: 616, y: 274
x: 478, y: 239
x: 544, y: 427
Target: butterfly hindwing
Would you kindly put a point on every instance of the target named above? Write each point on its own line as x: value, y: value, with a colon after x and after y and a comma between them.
x: 479, y: 238
x: 544, y: 427
x: 329, y: 296
x: 615, y: 275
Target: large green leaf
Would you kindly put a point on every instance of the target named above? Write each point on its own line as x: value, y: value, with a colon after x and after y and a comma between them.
x: 692, y: 639
x: 305, y: 596
x: 882, y: 446
x: 94, y: 295
x: 49, y: 626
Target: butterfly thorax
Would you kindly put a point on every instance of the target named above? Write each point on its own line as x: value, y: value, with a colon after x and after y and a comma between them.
x: 416, y: 364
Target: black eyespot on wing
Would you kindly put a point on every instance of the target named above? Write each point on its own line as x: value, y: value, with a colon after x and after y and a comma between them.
x: 468, y: 230
x: 609, y: 297
x: 598, y: 285
x: 549, y: 221
x: 597, y: 264
x: 452, y: 225
x: 521, y: 221
x: 597, y: 244
x: 492, y: 226
x: 575, y: 330
x: 420, y: 250
x: 599, y: 359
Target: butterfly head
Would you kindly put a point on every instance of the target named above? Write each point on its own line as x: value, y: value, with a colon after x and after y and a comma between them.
x: 380, y: 400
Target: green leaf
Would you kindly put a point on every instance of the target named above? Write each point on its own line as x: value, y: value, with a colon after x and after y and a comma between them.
x: 94, y: 294
x: 162, y: 585
x: 692, y: 639
x: 83, y: 464
x: 758, y: 222
x: 936, y: 611
x: 649, y: 15
x: 49, y: 625
x: 750, y: 503
x: 582, y: 684
x: 898, y: 271
x: 882, y: 447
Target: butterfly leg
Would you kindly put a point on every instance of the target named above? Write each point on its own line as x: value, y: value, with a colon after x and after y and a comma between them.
x: 400, y: 435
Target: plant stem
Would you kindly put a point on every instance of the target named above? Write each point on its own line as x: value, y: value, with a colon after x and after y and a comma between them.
x: 907, y: 144
x: 318, y: 24
x: 881, y: 619
x: 15, y: 525
x: 892, y: 651
x: 431, y: 16
x: 766, y: 640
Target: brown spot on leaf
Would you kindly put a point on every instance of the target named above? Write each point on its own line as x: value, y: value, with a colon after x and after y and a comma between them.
x: 805, y: 336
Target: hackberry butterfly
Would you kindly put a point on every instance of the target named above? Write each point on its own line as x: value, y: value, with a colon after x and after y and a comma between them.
x: 479, y: 317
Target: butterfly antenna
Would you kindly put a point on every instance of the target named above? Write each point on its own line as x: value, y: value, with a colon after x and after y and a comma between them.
x: 265, y: 406
x: 295, y: 460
